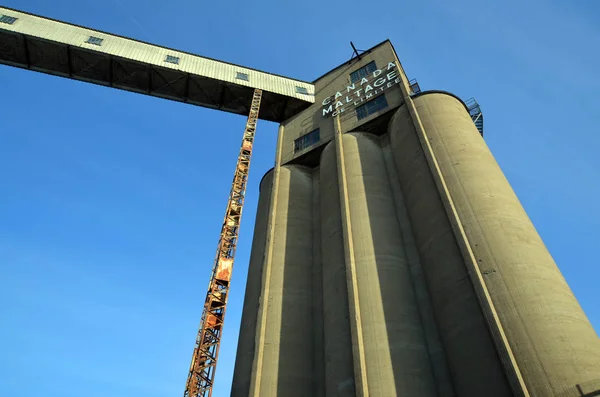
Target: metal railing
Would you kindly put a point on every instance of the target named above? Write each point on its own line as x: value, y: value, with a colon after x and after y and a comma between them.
x: 475, y: 113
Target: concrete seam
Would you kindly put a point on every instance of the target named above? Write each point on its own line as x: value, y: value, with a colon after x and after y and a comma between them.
x: 463, y: 240
x: 358, y: 349
x: 317, y: 289
x: 264, y: 302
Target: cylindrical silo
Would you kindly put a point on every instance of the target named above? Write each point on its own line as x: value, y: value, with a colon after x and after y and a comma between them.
x: 472, y: 358
x: 437, y: 356
x: 339, y: 369
x: 396, y: 357
x: 246, y: 346
x: 554, y: 344
x: 286, y: 360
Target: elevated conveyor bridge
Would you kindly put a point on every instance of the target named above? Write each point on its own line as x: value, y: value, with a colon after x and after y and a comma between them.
x: 45, y: 45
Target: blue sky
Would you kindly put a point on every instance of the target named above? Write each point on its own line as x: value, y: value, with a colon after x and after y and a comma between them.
x: 111, y: 202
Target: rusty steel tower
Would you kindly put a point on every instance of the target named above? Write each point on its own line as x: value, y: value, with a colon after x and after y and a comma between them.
x: 206, y: 352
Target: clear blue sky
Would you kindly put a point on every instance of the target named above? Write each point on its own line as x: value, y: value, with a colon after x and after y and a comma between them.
x: 111, y: 202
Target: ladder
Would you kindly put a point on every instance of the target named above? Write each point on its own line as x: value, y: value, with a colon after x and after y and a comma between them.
x: 201, y: 375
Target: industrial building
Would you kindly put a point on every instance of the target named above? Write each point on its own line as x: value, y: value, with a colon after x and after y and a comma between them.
x: 390, y: 256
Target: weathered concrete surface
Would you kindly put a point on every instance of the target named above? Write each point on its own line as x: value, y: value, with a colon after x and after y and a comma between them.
x: 318, y: 301
x: 396, y: 356
x: 364, y: 248
x: 553, y: 342
x: 339, y: 368
x: 287, y: 360
x: 471, y: 354
x: 246, y: 342
x: 437, y: 356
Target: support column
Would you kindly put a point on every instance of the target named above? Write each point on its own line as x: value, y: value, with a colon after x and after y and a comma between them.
x: 358, y: 348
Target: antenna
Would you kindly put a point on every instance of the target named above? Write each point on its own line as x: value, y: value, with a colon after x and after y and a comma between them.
x: 355, y: 51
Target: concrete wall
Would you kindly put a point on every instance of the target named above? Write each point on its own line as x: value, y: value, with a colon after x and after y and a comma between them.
x: 400, y: 357
x: 395, y: 351
x: 472, y: 358
x: 554, y: 344
x: 339, y: 368
x: 318, y: 293
x: 246, y: 342
x: 437, y: 356
x: 404, y: 265
x: 337, y: 81
x: 284, y: 345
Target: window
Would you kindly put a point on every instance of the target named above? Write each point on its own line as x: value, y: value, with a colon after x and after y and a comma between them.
x: 373, y: 106
x: 301, y: 90
x: 306, y: 140
x: 242, y: 76
x: 172, y: 59
x: 7, y: 19
x: 363, y: 72
x: 94, y: 40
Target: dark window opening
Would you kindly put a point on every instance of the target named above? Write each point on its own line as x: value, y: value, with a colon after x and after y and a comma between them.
x: 95, y: 40
x: 307, y: 140
x: 242, y: 76
x: 363, y: 72
x: 172, y: 59
x: 373, y: 106
x: 301, y: 90
x: 7, y: 19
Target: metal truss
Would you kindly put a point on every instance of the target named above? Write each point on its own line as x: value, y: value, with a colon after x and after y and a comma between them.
x: 204, y: 359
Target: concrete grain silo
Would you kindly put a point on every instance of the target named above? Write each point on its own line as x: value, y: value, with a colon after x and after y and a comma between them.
x: 392, y: 258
